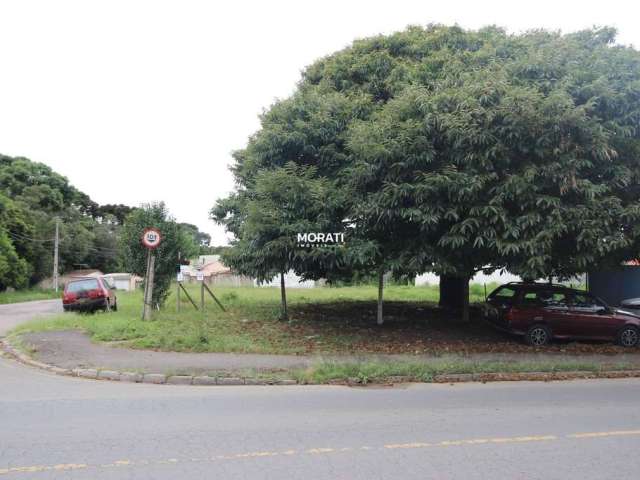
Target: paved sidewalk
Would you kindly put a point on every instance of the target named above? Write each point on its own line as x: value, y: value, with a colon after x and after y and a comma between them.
x: 73, y: 349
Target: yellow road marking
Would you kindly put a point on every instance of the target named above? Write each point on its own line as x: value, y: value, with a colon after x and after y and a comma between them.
x: 43, y: 468
x: 320, y: 450
x: 317, y: 451
x: 256, y: 454
x: 604, y: 434
x: 474, y: 441
x: 408, y: 445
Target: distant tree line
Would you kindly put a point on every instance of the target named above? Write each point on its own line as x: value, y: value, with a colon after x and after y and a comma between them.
x: 33, y: 196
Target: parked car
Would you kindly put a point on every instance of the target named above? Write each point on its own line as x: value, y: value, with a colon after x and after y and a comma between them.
x: 89, y: 294
x: 631, y: 304
x: 541, y: 312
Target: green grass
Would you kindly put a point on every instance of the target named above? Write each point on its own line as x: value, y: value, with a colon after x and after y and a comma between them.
x: 250, y: 324
x: 328, y: 321
x: 27, y: 295
x: 376, y: 371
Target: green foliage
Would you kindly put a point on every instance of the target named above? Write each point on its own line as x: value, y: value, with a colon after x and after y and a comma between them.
x: 202, y: 239
x: 14, y: 271
x: 14, y: 267
x: 505, y: 161
x: 112, y: 213
x: 177, y: 242
x: 455, y: 151
x: 32, y: 196
x: 284, y: 201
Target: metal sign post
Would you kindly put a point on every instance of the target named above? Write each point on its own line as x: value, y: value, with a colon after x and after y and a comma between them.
x: 151, y: 238
x: 200, y: 278
x: 203, y: 287
x: 179, y: 279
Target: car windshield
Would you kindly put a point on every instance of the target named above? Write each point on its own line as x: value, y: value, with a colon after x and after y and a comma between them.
x: 82, y: 285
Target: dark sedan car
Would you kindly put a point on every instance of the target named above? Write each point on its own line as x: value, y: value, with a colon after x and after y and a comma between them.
x: 89, y: 294
x: 541, y: 312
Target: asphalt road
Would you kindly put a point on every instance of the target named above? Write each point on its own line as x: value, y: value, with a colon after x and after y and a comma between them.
x: 61, y: 427
x: 13, y: 314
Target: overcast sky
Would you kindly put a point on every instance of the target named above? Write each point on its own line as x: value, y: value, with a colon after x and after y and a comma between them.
x: 136, y: 101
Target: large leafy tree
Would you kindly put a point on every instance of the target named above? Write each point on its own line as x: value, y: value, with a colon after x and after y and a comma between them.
x: 455, y: 151
x: 522, y: 155
x: 283, y: 202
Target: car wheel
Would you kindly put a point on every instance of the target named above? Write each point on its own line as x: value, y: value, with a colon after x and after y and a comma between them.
x: 115, y: 306
x: 629, y: 337
x: 537, y: 336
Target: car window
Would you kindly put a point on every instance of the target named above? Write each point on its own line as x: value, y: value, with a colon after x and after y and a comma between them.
x: 108, y: 282
x: 531, y: 298
x: 586, y: 302
x: 551, y: 298
x: 504, y: 292
x: 83, y: 285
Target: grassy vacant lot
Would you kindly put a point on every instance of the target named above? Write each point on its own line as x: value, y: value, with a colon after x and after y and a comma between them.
x: 323, y: 321
x: 27, y: 295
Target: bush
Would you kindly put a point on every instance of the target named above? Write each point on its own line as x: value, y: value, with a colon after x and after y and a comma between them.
x: 176, y: 243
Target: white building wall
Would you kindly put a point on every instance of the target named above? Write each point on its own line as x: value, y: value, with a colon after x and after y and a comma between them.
x: 291, y: 280
x: 497, y: 276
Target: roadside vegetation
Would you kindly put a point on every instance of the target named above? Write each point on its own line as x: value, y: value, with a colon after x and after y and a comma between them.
x: 27, y: 295
x: 334, y: 321
x: 377, y: 371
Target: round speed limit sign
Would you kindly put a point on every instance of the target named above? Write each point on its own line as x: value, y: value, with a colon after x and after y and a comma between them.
x: 151, y: 237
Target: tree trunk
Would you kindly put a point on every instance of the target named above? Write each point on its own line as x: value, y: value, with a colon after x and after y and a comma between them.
x: 380, y: 318
x: 284, y: 315
x: 454, y: 294
x: 465, y: 301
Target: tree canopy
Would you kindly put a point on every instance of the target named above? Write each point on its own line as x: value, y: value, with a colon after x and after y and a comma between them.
x: 454, y: 150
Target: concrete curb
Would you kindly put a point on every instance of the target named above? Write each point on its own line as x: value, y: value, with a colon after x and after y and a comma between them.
x: 135, y: 377
x: 205, y: 380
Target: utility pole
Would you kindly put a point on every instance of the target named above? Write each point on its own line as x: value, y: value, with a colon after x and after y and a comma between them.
x: 55, y: 255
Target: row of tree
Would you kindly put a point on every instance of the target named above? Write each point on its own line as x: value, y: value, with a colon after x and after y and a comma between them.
x: 446, y: 150
x: 33, y: 197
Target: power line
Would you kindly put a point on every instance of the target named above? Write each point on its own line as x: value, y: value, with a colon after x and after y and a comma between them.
x: 97, y: 249
x: 18, y: 236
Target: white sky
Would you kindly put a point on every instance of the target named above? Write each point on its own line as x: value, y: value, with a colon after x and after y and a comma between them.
x: 136, y: 101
